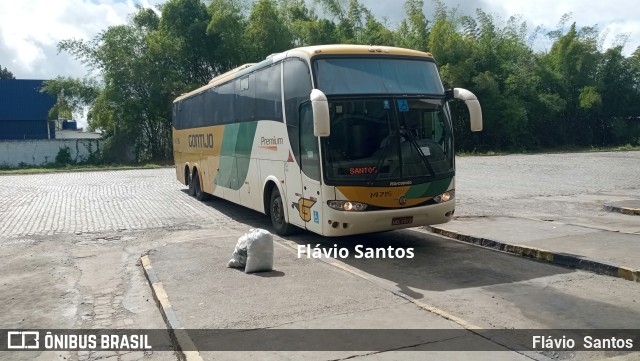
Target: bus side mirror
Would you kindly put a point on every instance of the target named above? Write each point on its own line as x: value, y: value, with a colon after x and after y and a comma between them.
x: 321, y: 125
x: 475, y: 113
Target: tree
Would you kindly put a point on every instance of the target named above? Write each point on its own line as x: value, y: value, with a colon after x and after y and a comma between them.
x: 576, y: 93
x: 73, y: 95
x: 226, y: 27
x: 139, y: 71
x: 186, y: 22
x: 5, y: 73
x: 305, y: 26
x: 413, y: 32
x: 266, y: 32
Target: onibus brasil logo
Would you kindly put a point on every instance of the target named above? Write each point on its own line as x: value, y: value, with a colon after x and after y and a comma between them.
x: 23, y: 340
x: 31, y: 340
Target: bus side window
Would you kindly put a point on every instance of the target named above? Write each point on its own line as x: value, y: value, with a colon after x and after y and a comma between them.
x: 268, y: 94
x: 245, y: 99
x: 297, y: 87
x: 308, y: 143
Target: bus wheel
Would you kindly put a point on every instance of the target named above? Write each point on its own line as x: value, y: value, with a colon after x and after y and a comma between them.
x: 199, y: 193
x: 192, y: 188
x: 276, y: 210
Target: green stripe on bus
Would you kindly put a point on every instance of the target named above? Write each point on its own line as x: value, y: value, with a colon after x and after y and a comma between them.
x: 235, y: 153
x: 428, y: 189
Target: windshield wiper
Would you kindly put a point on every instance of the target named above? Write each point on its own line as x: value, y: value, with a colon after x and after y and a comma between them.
x: 414, y: 142
x: 374, y: 175
x: 385, y: 150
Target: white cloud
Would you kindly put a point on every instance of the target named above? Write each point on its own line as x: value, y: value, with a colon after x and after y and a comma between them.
x: 30, y: 31
x: 620, y: 17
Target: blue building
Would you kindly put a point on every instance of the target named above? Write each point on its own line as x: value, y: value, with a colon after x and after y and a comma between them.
x: 24, y: 110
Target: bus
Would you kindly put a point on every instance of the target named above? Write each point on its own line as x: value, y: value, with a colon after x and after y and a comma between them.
x: 334, y: 139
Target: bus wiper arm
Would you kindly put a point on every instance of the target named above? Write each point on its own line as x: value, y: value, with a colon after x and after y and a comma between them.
x: 385, y: 150
x: 423, y: 157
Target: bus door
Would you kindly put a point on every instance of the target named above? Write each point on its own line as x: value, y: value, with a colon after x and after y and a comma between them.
x: 310, y: 164
x: 293, y: 188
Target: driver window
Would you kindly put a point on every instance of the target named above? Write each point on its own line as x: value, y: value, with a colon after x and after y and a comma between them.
x: 310, y: 160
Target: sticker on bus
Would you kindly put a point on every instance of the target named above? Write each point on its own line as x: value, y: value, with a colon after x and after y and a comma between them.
x: 403, y: 105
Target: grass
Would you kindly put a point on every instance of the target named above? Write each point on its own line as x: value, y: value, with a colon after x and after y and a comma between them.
x: 55, y: 168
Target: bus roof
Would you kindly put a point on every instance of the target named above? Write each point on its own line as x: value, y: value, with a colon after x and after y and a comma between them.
x: 307, y: 52
x: 343, y: 49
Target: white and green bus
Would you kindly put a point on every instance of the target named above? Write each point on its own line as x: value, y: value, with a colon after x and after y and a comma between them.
x: 335, y: 139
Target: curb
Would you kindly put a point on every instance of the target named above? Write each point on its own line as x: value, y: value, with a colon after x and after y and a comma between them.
x: 79, y: 170
x: 623, y: 210
x: 178, y: 334
x: 559, y: 258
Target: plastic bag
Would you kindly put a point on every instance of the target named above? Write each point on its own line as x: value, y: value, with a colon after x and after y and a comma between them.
x: 239, y: 255
x: 254, y: 251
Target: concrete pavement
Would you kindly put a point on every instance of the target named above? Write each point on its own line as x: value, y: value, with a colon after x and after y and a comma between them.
x: 592, y: 249
x: 301, y: 293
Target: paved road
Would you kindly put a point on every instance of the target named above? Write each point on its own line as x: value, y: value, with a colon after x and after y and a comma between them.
x: 544, y: 186
x: 570, y: 187
x: 90, y: 202
x: 69, y: 244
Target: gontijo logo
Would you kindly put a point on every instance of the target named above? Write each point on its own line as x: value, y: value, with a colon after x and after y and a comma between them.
x: 201, y: 140
x: 23, y: 340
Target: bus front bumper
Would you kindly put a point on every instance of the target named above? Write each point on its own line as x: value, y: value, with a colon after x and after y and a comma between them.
x: 342, y: 223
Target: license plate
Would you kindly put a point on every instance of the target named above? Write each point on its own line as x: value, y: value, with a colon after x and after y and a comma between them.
x: 401, y: 220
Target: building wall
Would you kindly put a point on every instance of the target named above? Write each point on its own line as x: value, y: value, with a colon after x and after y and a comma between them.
x: 24, y: 109
x: 24, y: 129
x: 15, y: 153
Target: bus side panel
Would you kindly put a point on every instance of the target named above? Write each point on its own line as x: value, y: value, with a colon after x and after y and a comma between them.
x: 198, y: 147
x: 274, y: 169
x: 178, y: 157
x: 250, y: 191
x: 209, y: 169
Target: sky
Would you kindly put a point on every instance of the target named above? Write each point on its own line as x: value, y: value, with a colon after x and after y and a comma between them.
x: 31, y: 29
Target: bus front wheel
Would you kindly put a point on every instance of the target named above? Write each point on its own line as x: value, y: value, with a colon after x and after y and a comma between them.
x: 276, y: 210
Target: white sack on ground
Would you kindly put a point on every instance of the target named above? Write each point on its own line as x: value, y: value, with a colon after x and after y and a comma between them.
x: 239, y: 255
x: 259, y: 251
x: 254, y: 251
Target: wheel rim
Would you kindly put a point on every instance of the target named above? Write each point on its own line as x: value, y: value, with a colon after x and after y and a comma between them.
x: 192, y: 188
x: 276, y: 211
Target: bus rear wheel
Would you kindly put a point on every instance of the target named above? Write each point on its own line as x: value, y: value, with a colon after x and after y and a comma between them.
x: 199, y: 193
x: 192, y: 188
x: 276, y: 211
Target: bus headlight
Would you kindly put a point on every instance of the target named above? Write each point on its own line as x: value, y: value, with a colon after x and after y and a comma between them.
x: 445, y: 197
x: 347, y: 206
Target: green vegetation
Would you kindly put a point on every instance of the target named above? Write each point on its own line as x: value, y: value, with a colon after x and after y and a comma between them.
x: 5, y: 73
x: 577, y: 94
x: 64, y: 156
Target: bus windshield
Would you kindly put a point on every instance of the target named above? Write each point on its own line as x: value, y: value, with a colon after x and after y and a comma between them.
x: 388, y: 141
x: 377, y: 76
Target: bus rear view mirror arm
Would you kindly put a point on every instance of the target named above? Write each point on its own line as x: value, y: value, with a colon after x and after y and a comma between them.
x: 321, y: 125
x: 475, y: 112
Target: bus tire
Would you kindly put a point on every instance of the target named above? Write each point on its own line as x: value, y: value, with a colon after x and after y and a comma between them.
x: 199, y: 193
x: 192, y: 188
x: 276, y: 211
